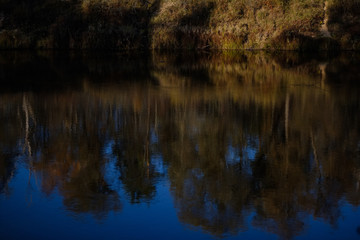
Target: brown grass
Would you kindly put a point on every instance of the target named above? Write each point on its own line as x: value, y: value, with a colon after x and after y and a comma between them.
x: 171, y: 24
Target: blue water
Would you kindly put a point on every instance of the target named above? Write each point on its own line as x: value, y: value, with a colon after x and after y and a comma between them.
x: 197, y: 147
x: 28, y: 213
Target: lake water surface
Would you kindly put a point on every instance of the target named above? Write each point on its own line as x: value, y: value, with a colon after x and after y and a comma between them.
x: 233, y: 145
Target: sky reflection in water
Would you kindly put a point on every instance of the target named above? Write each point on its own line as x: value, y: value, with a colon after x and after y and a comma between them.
x: 163, y: 146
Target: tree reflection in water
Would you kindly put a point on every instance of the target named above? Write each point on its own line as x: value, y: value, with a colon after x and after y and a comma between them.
x: 276, y: 137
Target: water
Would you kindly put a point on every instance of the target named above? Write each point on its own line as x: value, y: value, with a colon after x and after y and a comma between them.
x: 179, y: 146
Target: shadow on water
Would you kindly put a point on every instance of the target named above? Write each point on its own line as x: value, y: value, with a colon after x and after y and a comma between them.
x: 235, y: 134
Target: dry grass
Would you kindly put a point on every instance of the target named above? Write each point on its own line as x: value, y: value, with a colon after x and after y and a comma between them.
x: 186, y: 24
x: 234, y: 24
x: 344, y: 22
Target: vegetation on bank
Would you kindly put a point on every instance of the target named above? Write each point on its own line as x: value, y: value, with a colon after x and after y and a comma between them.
x: 175, y: 24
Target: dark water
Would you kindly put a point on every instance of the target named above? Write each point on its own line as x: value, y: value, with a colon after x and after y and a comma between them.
x: 179, y: 146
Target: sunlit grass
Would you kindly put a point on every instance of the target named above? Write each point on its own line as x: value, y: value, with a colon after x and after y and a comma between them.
x: 187, y: 24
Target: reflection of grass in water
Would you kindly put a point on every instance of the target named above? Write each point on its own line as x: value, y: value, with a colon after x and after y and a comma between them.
x: 280, y: 192
x: 196, y: 121
x: 259, y: 79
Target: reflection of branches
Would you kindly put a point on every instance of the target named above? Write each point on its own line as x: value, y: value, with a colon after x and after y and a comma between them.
x: 27, y: 145
x: 147, y: 144
x: 269, y: 134
x: 357, y: 177
x: 287, y: 116
x: 26, y: 108
x: 318, y: 167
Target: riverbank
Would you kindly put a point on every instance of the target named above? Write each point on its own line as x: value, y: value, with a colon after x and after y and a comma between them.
x: 174, y: 24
